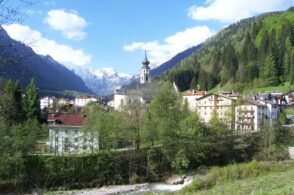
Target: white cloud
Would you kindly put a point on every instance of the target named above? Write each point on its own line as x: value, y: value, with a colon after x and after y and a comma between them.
x: 234, y: 10
x: 161, y: 52
x: 41, y: 45
x: 70, y: 24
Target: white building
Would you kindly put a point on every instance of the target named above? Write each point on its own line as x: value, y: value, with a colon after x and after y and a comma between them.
x: 81, y: 101
x: 145, y: 71
x: 191, y: 98
x: 224, y: 107
x: 121, y: 101
x: 48, y: 102
x: 250, y: 116
x: 66, y: 135
x: 253, y: 114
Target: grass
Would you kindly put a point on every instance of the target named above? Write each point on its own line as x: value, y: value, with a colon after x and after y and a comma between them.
x: 289, y: 111
x: 273, y: 183
x: 246, y: 178
x: 283, y: 88
x: 248, y: 88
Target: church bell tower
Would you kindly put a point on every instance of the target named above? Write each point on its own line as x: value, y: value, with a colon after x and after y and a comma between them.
x: 145, y: 70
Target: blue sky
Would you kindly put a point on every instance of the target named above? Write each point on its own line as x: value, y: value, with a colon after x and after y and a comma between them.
x: 113, y: 33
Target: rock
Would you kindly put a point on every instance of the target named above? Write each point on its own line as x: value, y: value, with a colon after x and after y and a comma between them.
x: 176, y: 179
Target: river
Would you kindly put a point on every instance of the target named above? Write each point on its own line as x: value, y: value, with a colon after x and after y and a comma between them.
x: 134, y: 189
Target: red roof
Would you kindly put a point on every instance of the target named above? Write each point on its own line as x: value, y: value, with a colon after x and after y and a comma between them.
x: 67, y: 119
x: 196, y: 92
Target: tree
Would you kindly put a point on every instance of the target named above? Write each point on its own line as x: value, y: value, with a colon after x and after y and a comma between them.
x: 166, y: 109
x: 20, y: 115
x: 25, y: 135
x: 282, y: 118
x: 135, y: 114
x: 10, y: 103
x: 292, y: 68
x: 193, y: 83
x: 216, y: 126
x: 270, y: 71
x: 12, y: 12
x: 32, y: 104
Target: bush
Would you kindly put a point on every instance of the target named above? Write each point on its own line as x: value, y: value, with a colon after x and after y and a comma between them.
x: 236, y: 172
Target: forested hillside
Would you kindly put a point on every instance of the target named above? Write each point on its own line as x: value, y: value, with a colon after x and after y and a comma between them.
x: 254, y: 52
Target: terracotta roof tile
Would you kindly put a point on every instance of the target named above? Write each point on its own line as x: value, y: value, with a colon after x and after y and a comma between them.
x: 67, y: 119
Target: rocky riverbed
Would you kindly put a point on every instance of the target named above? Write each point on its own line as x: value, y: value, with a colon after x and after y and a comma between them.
x: 172, y: 184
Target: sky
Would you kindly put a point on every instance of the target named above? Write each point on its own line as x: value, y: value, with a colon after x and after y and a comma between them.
x: 98, y: 34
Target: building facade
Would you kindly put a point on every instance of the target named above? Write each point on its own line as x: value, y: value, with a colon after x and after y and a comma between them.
x: 121, y: 101
x: 191, y: 97
x: 223, y: 106
x: 48, y: 102
x: 67, y: 137
x: 81, y: 101
x: 253, y: 114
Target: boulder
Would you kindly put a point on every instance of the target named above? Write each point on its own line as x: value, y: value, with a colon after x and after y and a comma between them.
x: 176, y: 179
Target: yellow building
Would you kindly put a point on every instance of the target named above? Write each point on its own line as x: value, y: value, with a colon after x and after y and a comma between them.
x: 224, y: 107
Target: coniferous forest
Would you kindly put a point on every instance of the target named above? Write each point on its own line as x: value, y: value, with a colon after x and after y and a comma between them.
x: 255, y: 52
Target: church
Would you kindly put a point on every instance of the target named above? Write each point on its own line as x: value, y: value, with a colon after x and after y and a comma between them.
x: 135, y: 91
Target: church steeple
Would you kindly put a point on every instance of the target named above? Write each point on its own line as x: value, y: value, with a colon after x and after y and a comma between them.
x: 144, y: 73
x: 145, y: 62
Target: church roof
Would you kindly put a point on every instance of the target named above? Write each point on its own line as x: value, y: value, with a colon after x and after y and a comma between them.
x: 146, y: 61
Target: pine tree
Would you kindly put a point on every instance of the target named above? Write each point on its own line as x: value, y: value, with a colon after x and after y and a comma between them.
x: 193, y: 83
x: 264, y: 45
x: 292, y: 68
x: 271, y: 72
x: 32, y: 104
x: 20, y: 116
x: 7, y: 104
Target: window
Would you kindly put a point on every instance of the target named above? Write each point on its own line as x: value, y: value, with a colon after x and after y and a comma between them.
x: 76, y: 131
x: 76, y: 140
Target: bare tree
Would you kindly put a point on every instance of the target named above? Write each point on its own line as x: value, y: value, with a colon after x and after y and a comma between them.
x: 13, y: 11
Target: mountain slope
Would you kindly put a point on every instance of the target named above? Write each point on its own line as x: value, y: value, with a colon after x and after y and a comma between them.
x: 173, y: 61
x: 253, y: 52
x: 19, y: 61
x: 103, y: 82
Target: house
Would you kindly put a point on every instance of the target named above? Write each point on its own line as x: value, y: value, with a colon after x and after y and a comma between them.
x: 191, y: 97
x: 231, y: 94
x: 63, y: 102
x: 66, y: 135
x: 252, y: 114
x: 48, y: 102
x: 81, y: 101
x: 290, y: 99
x: 249, y: 116
x: 224, y: 106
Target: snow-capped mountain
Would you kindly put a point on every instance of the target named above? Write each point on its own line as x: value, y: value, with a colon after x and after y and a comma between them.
x: 104, y: 81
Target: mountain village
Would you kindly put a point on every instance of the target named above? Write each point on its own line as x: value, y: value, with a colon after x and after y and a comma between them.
x: 209, y: 110
x: 242, y: 113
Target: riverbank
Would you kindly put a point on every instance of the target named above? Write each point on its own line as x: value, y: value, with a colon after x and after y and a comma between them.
x: 133, y: 189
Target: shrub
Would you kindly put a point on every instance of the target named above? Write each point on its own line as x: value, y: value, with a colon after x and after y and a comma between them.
x: 232, y: 172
